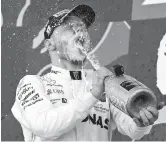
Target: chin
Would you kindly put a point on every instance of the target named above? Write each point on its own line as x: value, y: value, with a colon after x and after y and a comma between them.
x: 77, y: 60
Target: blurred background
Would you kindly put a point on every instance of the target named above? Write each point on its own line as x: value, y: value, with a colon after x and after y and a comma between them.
x: 126, y: 32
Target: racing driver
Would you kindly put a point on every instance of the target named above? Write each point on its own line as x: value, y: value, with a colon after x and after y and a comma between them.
x: 67, y: 104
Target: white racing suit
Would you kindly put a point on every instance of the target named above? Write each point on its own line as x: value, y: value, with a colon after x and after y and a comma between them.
x: 55, y: 107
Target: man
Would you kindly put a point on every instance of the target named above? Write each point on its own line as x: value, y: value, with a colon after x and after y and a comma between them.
x: 161, y: 66
x: 68, y: 103
x: 161, y: 77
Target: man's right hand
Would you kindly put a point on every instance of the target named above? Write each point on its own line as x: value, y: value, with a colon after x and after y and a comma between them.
x: 98, y: 86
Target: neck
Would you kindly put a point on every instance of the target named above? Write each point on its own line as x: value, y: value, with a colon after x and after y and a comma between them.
x: 65, y: 64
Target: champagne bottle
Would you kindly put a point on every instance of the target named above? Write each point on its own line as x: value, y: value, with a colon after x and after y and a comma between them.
x: 128, y: 94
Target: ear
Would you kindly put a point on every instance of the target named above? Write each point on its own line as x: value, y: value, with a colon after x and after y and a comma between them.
x: 49, y: 45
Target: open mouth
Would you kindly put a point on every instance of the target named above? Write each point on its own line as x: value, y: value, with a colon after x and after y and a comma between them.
x: 80, y: 41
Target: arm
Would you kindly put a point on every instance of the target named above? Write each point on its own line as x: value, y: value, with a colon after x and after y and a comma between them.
x: 126, y: 125
x: 44, y: 120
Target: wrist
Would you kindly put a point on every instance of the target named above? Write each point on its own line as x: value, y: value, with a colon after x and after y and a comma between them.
x: 96, y: 92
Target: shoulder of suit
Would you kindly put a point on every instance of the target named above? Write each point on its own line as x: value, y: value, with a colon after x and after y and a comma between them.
x: 36, y: 78
x: 30, y: 83
x: 29, y: 78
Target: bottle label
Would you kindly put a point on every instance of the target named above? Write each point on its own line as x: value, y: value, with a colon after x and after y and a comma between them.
x: 128, y: 84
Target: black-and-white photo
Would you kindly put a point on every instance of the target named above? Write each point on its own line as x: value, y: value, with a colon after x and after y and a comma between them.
x: 83, y: 70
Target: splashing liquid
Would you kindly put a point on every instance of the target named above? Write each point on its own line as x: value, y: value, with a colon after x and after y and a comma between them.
x: 91, y: 57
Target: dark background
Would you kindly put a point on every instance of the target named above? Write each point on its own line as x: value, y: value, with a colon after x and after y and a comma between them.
x: 134, y: 45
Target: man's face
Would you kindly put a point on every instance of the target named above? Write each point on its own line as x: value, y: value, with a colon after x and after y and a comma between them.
x: 69, y: 37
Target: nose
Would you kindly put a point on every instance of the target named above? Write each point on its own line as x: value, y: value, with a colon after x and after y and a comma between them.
x: 81, y: 40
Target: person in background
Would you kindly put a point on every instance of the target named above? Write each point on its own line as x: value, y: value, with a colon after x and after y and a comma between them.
x: 68, y: 103
x: 161, y: 78
x: 161, y: 66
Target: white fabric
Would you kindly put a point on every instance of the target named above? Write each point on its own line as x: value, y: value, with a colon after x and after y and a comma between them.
x: 54, y: 107
x: 161, y: 66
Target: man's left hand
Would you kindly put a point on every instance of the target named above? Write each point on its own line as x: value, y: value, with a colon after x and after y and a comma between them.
x: 148, y: 116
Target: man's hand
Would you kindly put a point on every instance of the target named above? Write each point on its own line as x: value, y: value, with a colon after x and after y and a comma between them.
x: 98, y: 86
x: 148, y: 116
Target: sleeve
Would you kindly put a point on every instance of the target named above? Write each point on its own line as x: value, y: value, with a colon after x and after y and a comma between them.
x: 126, y: 125
x: 44, y: 120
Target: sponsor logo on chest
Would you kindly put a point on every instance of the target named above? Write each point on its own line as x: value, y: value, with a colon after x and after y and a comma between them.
x: 99, y: 121
x: 55, y: 91
x: 52, y: 87
x: 101, y: 107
